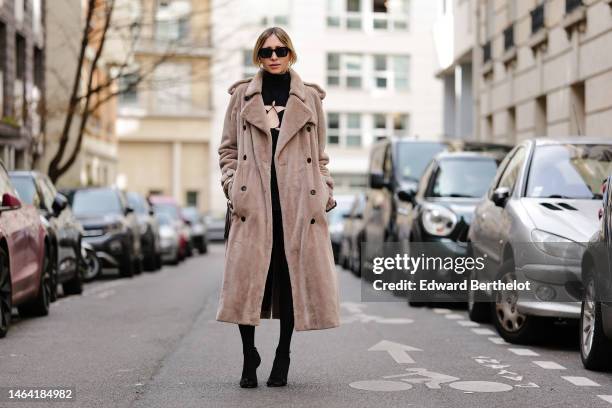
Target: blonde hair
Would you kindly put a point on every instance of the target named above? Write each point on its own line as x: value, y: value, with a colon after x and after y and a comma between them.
x: 282, y: 36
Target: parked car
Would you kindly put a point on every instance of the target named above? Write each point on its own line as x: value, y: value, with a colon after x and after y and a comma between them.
x: 149, y: 230
x: 168, y: 205
x: 532, y: 225
x: 396, y: 166
x: 352, y: 235
x: 63, y: 229
x: 25, y: 257
x: 197, y: 225
x: 110, y: 226
x: 335, y: 220
x: 451, y: 186
x: 596, y: 309
x: 215, y: 226
x: 170, y: 241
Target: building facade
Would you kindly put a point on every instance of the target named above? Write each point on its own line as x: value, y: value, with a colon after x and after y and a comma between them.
x: 163, y: 122
x: 375, y: 59
x: 96, y: 161
x: 22, y: 81
x: 543, y: 68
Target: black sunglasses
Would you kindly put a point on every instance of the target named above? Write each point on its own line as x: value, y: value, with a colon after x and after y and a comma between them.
x: 267, y: 52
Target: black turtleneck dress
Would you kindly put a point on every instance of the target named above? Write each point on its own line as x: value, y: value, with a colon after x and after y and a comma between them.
x: 275, y: 92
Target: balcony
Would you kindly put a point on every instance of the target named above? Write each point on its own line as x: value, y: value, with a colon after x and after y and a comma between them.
x: 575, y: 17
x: 539, y: 33
x: 509, y: 55
x: 487, y: 62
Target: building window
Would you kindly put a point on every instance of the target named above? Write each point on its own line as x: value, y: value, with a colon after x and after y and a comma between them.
x: 400, y: 124
x: 391, y: 72
x: 128, y: 88
x: 353, y: 131
x: 37, y: 17
x: 172, y: 84
x: 248, y: 69
x: 191, y: 199
x: 383, y: 15
x: 172, y: 20
x: 390, y: 124
x: 344, y: 70
x: 333, y: 128
x: 19, y: 90
x: 541, y: 114
x: 577, y: 112
x: 3, y: 66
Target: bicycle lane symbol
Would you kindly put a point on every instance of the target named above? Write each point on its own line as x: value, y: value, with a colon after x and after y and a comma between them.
x: 431, y: 379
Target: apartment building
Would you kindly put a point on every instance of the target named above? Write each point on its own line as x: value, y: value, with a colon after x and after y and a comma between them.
x: 455, y: 36
x: 96, y: 160
x: 544, y: 68
x: 163, y: 122
x: 22, y: 82
x: 375, y: 59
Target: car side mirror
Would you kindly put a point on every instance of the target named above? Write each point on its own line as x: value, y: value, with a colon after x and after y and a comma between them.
x: 128, y: 210
x: 406, y: 195
x: 377, y: 180
x: 151, y: 211
x: 10, y: 202
x: 500, y: 196
x: 59, y: 203
x: 187, y: 221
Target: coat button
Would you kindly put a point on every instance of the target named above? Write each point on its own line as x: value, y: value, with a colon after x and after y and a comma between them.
x: 243, y: 127
x: 313, y: 192
x: 243, y: 188
x: 308, y: 128
x: 309, y: 160
x: 246, y: 98
x: 312, y: 220
x: 243, y: 218
x: 244, y: 157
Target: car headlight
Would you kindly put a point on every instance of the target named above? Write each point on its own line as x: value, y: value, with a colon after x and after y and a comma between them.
x: 556, y: 245
x: 166, y: 232
x: 438, y: 220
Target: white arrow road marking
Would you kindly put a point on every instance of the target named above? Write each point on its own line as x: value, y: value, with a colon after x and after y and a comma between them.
x: 398, y: 351
x: 467, y: 323
x: 581, y: 381
x: 607, y: 398
x: 523, y: 352
x: 549, y: 365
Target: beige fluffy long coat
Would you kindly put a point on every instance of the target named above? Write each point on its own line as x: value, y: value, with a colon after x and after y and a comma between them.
x: 305, y: 191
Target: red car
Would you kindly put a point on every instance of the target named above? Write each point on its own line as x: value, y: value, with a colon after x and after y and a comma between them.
x: 25, y: 270
x: 168, y: 205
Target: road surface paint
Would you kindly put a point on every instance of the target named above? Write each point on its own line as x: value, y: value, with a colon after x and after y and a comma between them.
x: 581, y: 381
x: 607, y: 398
x: 523, y: 352
x: 480, y: 386
x: 484, y: 332
x: 381, y: 385
x: 497, y: 340
x: 398, y: 351
x: 454, y: 316
x: 549, y: 365
x: 441, y: 311
x: 467, y: 323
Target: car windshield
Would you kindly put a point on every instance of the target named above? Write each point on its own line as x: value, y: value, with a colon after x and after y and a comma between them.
x: 137, y: 203
x: 96, y: 202
x: 25, y: 188
x: 191, y: 214
x: 163, y: 218
x: 169, y: 209
x: 569, y: 171
x: 463, y: 178
x: 412, y: 158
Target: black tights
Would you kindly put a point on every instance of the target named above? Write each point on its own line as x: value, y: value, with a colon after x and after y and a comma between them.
x: 278, y: 274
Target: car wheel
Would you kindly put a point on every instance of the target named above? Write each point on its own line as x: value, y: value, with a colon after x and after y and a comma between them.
x: 6, y: 294
x: 75, y: 285
x: 53, y: 294
x: 137, y: 266
x: 477, y: 311
x: 126, y: 269
x: 91, y: 267
x: 512, y: 325
x: 39, y: 306
x: 203, y: 246
x: 595, y: 347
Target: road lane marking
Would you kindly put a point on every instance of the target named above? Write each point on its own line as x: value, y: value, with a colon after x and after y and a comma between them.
x: 467, y: 323
x: 523, y: 352
x: 483, y: 332
x: 607, y: 398
x: 441, y: 310
x: 549, y: 365
x: 398, y: 351
x: 581, y: 381
x: 480, y: 386
x: 454, y: 317
x: 497, y: 340
x: 105, y: 294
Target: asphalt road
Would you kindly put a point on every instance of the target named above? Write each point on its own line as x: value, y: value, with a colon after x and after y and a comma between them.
x: 153, y: 341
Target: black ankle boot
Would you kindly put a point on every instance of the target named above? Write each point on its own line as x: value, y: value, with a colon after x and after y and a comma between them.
x: 280, y: 368
x: 249, y: 374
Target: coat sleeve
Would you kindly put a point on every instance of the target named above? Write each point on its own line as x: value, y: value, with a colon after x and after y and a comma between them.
x: 228, y: 149
x: 323, y: 156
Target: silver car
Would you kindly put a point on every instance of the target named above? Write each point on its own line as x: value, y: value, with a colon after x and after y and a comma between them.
x: 533, y: 226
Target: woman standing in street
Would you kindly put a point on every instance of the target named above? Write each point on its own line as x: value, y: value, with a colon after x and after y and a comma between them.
x: 278, y: 256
